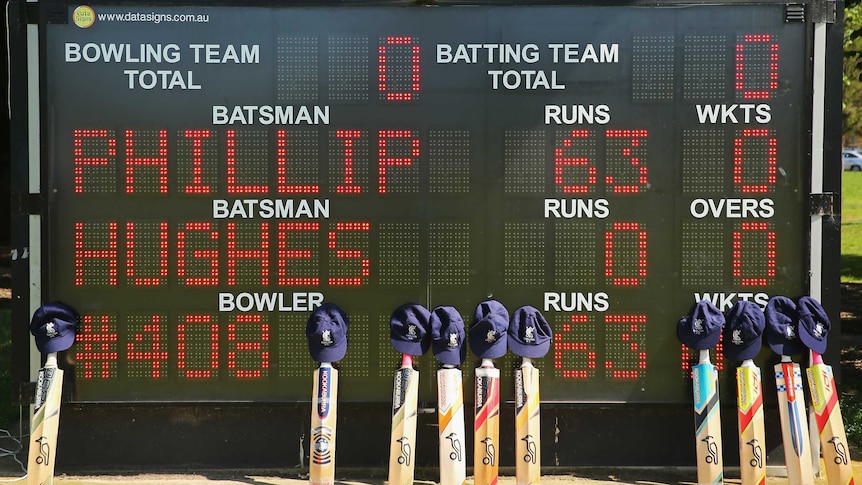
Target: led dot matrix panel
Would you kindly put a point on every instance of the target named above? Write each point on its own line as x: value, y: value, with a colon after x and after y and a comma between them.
x: 215, y: 173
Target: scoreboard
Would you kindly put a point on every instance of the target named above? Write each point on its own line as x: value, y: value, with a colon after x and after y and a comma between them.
x: 215, y: 173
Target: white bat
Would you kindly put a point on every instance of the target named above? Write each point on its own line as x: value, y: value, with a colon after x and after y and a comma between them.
x: 450, y: 417
x: 402, y: 445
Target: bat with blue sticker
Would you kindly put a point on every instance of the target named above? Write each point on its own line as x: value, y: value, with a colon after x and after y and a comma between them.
x: 707, y: 422
x: 794, y: 423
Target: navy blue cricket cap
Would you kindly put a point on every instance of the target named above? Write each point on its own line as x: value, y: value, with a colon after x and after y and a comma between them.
x: 701, y: 329
x: 529, y: 333
x: 447, y: 335
x: 54, y: 326
x: 743, y: 333
x: 409, y: 329
x: 488, y: 337
x: 814, y: 324
x: 326, y: 330
x: 782, y: 320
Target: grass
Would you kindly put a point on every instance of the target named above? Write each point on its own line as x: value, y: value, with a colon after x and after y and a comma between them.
x: 851, y: 272
x: 851, y: 227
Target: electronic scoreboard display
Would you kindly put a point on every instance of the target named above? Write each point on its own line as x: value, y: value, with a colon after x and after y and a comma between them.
x: 214, y: 174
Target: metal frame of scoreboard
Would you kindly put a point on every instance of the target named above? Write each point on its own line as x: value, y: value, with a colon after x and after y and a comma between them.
x: 176, y: 433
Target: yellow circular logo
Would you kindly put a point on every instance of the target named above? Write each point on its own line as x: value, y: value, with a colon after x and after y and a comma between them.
x: 84, y: 16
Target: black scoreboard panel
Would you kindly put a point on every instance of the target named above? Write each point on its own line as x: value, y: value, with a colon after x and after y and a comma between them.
x: 214, y: 174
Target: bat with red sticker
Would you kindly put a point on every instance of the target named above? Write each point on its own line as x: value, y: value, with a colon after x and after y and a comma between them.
x: 486, y: 424
x: 830, y: 424
x: 752, y: 434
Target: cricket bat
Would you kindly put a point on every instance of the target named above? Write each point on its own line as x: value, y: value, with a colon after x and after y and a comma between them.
x: 830, y: 424
x: 752, y: 434
x: 402, y: 444
x: 794, y: 423
x: 527, y: 424
x: 45, y: 423
x: 486, y: 422
x: 450, y: 417
x: 321, y: 467
x: 707, y: 422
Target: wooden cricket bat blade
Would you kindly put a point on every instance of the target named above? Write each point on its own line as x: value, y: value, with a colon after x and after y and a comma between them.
x: 486, y: 423
x: 450, y: 417
x: 402, y: 444
x: 794, y: 423
x: 752, y: 434
x: 45, y: 424
x: 707, y: 422
x: 321, y: 466
x: 527, y: 425
x: 830, y: 424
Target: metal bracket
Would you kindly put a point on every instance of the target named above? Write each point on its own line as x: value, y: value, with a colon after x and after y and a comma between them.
x: 823, y: 11
x: 821, y: 204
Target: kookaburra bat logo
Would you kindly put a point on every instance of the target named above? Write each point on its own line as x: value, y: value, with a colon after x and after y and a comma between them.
x: 530, y: 457
x: 712, y: 448
x: 455, y: 443
x: 44, y: 451
x: 840, y: 451
x: 757, y: 452
x: 490, y: 452
x: 404, y: 459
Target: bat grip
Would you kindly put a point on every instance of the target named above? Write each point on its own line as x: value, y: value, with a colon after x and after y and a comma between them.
x: 487, y: 363
x: 526, y: 362
x: 51, y: 360
x: 704, y: 356
x: 406, y: 360
x: 816, y: 358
